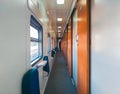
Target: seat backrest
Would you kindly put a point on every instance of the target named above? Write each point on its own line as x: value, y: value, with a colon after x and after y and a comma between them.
x: 52, y: 53
x: 30, y: 82
x: 46, y: 67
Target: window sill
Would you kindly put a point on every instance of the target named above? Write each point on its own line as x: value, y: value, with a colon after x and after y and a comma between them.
x: 41, y: 64
x: 35, y: 61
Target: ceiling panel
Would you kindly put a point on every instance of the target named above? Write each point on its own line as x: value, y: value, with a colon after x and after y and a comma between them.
x: 54, y: 11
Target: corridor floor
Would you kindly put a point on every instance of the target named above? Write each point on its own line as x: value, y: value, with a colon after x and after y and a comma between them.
x: 59, y: 81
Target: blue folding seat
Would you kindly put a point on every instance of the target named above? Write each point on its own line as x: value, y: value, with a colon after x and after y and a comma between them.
x: 30, y: 82
x: 46, y: 67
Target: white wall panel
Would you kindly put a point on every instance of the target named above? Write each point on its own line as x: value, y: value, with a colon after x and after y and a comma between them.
x: 105, y: 54
x: 15, y: 43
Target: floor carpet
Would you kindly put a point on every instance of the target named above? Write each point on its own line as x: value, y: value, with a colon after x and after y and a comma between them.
x: 59, y: 81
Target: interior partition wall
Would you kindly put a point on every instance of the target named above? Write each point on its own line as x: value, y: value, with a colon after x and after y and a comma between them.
x: 69, y: 47
x: 64, y: 44
x: 74, y: 48
x: 83, y: 46
x: 105, y: 47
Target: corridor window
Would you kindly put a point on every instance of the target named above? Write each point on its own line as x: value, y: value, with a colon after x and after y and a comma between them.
x: 35, y: 41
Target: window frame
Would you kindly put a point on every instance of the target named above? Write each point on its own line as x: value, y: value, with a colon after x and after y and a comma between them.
x: 36, y: 25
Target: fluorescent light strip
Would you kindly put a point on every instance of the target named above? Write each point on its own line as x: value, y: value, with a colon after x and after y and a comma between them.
x: 59, y: 27
x: 59, y: 19
x: 60, y: 1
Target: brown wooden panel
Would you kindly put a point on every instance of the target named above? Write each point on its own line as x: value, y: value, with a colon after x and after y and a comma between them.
x: 83, y: 49
x: 64, y: 45
x: 69, y: 49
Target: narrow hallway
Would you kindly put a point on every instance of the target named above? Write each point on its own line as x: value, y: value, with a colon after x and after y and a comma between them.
x: 59, y: 81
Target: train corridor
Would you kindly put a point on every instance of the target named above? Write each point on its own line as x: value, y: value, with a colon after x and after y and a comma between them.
x: 59, y: 81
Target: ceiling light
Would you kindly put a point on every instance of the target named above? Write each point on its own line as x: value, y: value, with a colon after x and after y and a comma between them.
x: 60, y: 1
x: 59, y: 27
x: 59, y: 19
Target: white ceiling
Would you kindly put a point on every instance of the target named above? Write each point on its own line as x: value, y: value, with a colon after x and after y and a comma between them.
x: 54, y: 11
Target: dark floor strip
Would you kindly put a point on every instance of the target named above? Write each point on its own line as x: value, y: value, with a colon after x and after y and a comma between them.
x: 59, y: 81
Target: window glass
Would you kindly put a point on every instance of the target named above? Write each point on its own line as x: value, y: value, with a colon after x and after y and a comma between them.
x: 34, y: 51
x: 36, y: 44
x: 40, y: 47
x: 33, y: 32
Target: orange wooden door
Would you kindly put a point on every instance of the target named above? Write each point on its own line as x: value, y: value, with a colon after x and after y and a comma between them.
x: 64, y: 44
x: 83, y: 48
x: 69, y: 49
